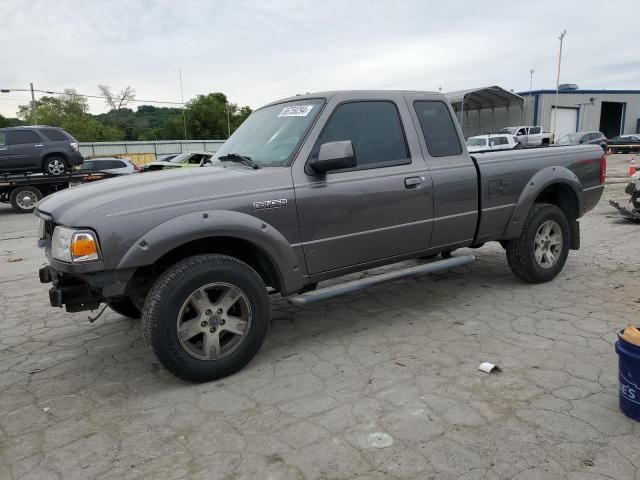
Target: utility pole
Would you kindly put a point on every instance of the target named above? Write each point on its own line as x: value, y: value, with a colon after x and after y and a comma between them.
x: 228, y: 122
x: 555, y: 112
x: 33, y: 104
x: 184, y: 115
x: 531, y: 72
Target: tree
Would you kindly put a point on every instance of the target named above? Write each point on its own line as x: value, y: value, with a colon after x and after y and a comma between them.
x: 117, y: 100
x: 207, y: 116
x: 9, y: 122
x: 71, y: 112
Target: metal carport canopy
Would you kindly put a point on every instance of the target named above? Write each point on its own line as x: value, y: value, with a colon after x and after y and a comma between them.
x: 483, y: 98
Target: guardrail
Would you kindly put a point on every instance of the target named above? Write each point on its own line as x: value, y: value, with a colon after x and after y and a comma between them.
x: 150, y: 148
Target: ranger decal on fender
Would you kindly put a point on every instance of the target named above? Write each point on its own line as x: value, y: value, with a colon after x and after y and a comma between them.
x: 270, y: 204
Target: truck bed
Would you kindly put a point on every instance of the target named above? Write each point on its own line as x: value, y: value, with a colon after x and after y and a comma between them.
x: 503, y: 176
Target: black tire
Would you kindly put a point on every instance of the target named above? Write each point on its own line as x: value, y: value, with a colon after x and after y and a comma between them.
x: 24, y: 199
x: 169, y: 295
x: 521, y: 251
x: 55, y: 166
x: 126, y: 308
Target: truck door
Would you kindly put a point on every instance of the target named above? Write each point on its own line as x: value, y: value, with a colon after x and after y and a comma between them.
x: 455, y: 180
x: 24, y: 149
x: 379, y: 209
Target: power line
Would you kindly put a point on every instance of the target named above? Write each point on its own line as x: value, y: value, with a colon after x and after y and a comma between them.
x: 50, y: 92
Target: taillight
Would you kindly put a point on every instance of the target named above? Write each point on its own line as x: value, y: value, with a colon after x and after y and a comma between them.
x: 603, y: 169
x: 74, y: 145
x: 136, y: 167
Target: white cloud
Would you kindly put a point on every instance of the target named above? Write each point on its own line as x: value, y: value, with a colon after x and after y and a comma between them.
x: 259, y: 51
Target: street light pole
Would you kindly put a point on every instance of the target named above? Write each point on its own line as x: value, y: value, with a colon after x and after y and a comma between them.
x: 531, y: 72
x: 34, y: 109
x: 555, y: 112
x: 184, y: 115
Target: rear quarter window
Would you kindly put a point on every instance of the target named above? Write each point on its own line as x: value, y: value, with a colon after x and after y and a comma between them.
x: 54, y: 135
x: 437, y: 126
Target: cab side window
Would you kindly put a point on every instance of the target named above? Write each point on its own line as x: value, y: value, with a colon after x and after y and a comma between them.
x: 374, y: 128
x: 3, y: 138
x: 437, y: 126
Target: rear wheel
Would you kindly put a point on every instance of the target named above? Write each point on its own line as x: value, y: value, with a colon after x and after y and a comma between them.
x: 54, y: 166
x: 206, y: 317
x: 24, y: 199
x: 125, y: 307
x: 541, y: 250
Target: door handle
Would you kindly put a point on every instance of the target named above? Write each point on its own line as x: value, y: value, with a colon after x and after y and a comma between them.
x: 39, y: 145
x: 413, y: 182
x: 4, y: 148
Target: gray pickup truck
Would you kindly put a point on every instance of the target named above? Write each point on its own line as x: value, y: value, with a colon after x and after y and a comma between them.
x: 309, y: 188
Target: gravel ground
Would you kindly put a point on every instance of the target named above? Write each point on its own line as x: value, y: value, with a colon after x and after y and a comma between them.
x: 81, y: 400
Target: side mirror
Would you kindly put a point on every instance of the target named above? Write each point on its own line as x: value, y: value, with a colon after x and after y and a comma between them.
x: 334, y: 156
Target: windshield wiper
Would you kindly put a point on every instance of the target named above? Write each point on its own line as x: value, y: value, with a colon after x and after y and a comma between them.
x: 236, y: 157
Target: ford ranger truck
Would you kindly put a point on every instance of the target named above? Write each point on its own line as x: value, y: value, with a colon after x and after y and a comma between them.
x: 309, y: 188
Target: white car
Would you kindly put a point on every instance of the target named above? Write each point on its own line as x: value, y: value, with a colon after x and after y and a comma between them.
x: 529, y: 135
x: 110, y: 165
x: 483, y: 143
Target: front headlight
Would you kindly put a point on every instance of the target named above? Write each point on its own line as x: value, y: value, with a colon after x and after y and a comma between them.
x: 74, y: 246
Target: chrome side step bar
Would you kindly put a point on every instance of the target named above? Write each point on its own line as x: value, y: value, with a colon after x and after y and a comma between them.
x: 358, y: 285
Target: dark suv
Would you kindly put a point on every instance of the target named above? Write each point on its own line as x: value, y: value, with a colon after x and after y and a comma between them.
x: 38, y: 149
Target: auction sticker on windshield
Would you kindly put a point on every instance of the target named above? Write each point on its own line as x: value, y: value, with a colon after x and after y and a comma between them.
x: 295, y: 111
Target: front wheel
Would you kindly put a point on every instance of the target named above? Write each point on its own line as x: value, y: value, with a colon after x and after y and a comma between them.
x: 206, y: 317
x: 541, y: 250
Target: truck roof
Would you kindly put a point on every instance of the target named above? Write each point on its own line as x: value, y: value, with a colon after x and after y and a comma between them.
x: 331, y: 93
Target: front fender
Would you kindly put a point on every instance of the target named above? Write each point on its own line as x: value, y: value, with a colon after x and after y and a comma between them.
x: 541, y: 180
x: 217, y: 223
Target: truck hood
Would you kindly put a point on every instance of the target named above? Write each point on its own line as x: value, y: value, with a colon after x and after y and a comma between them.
x: 187, y: 188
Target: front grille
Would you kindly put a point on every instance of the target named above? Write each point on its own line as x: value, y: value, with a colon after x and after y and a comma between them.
x: 45, y: 229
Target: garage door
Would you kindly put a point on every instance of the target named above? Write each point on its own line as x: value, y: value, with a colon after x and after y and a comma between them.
x: 566, y: 121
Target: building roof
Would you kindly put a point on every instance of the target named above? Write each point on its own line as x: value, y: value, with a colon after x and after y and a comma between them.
x: 587, y: 91
x: 481, y: 98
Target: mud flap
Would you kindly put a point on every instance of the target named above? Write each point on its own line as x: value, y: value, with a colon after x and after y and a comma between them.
x: 575, y: 235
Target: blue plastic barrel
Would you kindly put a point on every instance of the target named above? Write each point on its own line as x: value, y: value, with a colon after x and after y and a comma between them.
x: 629, y: 378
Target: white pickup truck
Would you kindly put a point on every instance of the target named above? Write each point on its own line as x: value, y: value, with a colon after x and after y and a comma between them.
x: 529, y: 136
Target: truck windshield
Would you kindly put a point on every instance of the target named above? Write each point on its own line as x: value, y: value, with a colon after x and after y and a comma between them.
x: 509, y: 130
x: 180, y: 158
x: 570, y: 138
x: 476, y: 142
x: 271, y: 135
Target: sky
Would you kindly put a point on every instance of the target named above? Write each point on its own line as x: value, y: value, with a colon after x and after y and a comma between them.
x: 259, y: 51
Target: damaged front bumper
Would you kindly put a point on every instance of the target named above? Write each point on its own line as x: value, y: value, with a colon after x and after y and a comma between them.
x: 84, y: 291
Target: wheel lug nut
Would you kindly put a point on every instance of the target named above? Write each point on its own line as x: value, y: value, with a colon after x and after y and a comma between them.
x: 203, y: 324
x: 207, y: 312
x: 213, y: 329
x: 219, y: 311
x: 222, y: 321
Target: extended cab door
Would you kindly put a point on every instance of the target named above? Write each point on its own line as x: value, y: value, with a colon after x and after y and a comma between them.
x: 379, y: 209
x: 453, y: 172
